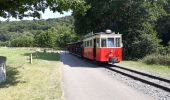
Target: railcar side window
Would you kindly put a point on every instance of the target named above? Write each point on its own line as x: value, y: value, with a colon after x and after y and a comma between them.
x: 103, y: 43
x: 87, y: 43
x: 110, y: 42
x: 117, y: 42
x: 97, y: 42
x: 90, y: 43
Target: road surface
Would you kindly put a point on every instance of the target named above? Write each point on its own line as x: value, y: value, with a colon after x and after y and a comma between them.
x: 85, y: 81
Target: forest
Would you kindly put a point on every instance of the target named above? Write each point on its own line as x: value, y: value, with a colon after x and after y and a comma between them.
x: 145, y: 25
x: 51, y: 33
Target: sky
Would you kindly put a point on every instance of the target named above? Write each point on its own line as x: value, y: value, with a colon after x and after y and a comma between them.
x: 46, y: 15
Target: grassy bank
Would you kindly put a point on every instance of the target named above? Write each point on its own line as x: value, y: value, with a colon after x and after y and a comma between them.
x: 156, y: 69
x: 37, y: 81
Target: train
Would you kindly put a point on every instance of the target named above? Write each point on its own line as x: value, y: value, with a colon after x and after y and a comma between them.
x: 103, y: 47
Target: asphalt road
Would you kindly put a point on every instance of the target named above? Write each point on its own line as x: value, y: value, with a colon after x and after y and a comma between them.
x: 85, y: 81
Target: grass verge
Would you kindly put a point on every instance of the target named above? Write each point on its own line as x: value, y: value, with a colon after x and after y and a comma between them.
x: 160, y: 70
x: 38, y: 81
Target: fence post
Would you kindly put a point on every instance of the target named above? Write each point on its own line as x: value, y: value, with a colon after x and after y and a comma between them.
x: 31, y: 58
x: 2, y: 69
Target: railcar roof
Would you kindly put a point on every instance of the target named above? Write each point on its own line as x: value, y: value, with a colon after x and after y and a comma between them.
x: 101, y: 33
x: 74, y: 42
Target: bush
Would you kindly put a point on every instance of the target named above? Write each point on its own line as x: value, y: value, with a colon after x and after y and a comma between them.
x: 157, y: 59
x: 144, y: 44
x: 22, y: 42
x: 5, y: 44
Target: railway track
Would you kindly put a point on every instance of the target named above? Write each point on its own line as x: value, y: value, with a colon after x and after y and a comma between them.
x: 156, y: 81
x: 152, y: 80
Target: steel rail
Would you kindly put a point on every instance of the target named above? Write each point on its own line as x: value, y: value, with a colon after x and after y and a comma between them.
x: 144, y: 74
x: 140, y: 79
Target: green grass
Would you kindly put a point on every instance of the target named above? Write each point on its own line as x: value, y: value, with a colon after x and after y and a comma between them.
x: 38, y: 81
x: 160, y: 70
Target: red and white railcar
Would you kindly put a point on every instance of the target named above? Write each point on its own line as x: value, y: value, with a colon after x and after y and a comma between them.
x: 103, y: 47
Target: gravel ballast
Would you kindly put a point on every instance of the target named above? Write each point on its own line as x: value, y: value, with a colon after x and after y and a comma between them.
x: 156, y: 93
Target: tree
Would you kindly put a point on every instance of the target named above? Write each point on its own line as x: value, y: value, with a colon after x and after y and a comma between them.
x: 163, y: 28
x: 45, y: 39
x: 135, y: 19
x: 25, y: 8
x: 64, y: 35
x: 62, y: 28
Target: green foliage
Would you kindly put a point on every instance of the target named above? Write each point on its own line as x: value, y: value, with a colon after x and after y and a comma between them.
x: 22, y: 42
x: 56, y: 37
x: 157, y: 59
x: 24, y: 39
x: 143, y: 46
x: 20, y: 33
x: 15, y: 27
x: 161, y: 57
x: 4, y: 44
x: 45, y: 39
x: 164, y: 50
x: 163, y: 27
x: 136, y: 20
x: 25, y: 8
x: 65, y: 35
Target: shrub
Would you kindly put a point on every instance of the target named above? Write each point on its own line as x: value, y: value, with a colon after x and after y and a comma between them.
x: 157, y: 59
x: 140, y: 47
x: 22, y: 42
x: 4, y: 44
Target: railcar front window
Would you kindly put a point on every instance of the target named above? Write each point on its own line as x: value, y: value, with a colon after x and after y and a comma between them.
x: 103, y: 43
x: 117, y: 42
x: 110, y: 42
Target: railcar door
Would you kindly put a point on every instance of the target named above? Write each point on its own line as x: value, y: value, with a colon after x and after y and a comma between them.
x: 82, y: 49
x: 94, y: 49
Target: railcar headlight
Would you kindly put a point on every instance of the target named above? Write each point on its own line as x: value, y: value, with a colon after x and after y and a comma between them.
x: 121, y: 44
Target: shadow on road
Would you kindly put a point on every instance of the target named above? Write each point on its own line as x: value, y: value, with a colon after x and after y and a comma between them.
x: 75, y: 61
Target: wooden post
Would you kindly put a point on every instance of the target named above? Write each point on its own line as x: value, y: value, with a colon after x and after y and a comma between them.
x: 31, y: 58
x: 2, y: 69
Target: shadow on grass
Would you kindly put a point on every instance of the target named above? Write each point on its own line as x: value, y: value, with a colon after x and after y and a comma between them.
x: 11, y: 78
x: 50, y: 56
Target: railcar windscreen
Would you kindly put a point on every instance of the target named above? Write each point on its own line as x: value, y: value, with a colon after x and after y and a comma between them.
x: 110, y: 42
